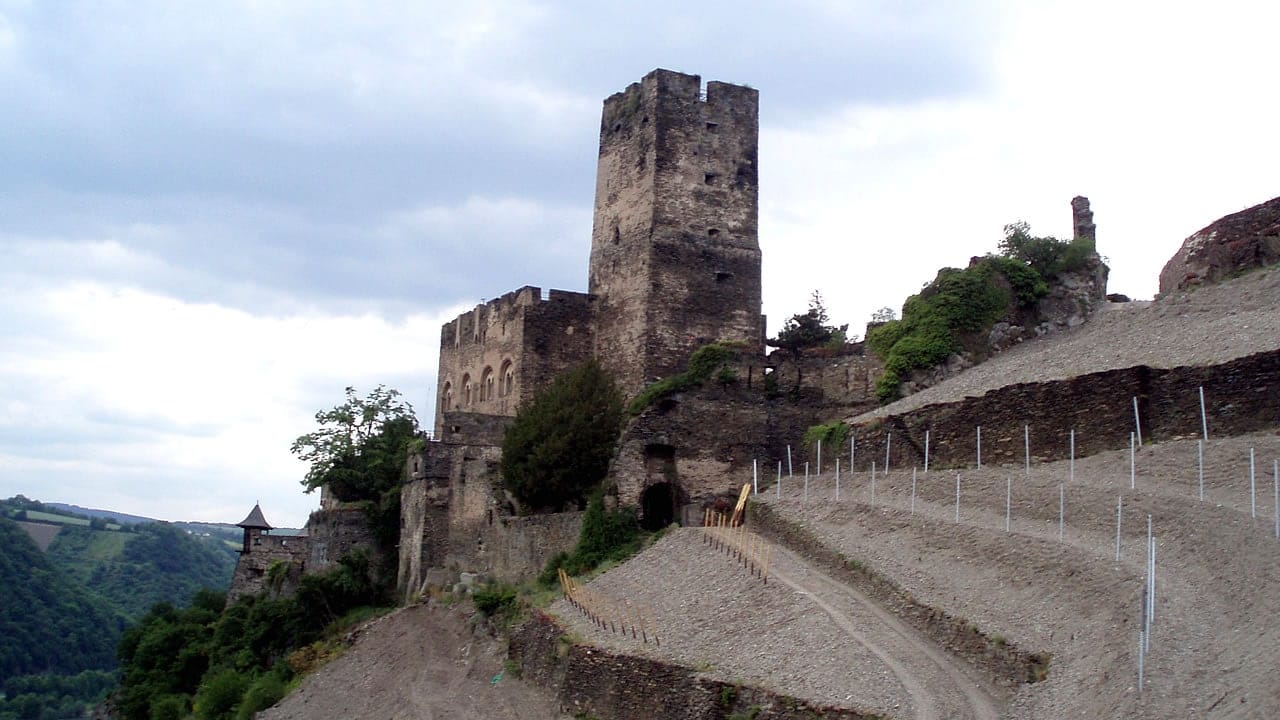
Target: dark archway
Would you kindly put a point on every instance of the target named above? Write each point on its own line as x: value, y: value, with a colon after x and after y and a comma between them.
x: 658, y: 506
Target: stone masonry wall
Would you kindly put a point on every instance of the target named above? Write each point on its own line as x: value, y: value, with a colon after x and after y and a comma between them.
x: 453, y: 517
x: 592, y: 682
x: 265, y: 550
x: 498, y: 355
x: 675, y: 260
x: 1240, y: 396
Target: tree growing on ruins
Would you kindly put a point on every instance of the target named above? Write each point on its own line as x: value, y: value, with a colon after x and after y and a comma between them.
x: 560, y: 444
x: 360, y: 447
x: 811, y: 328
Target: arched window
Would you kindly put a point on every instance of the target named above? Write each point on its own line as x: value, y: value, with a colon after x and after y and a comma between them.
x: 486, y: 384
x: 446, y: 397
x: 508, y: 378
x: 466, y: 389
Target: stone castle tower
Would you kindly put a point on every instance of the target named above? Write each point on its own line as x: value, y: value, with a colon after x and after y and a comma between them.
x: 675, y: 261
x: 675, y: 257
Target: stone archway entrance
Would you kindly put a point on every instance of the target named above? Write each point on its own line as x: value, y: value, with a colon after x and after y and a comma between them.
x: 658, y: 506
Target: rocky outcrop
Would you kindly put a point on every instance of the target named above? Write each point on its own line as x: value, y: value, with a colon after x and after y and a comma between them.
x: 1226, y: 248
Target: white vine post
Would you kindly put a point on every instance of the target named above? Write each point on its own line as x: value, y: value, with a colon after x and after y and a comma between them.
x: 779, y: 479
x: 852, y: 448
x: 888, y: 440
x: 1142, y: 638
x: 819, y: 457
x: 1200, y: 463
x: 913, y: 493
x: 1119, y: 510
x: 926, y: 452
x: 837, y: 479
x: 1204, y: 420
x: 1253, y: 503
x: 1137, y: 423
x: 1275, y: 495
x: 957, y: 497
x: 1062, y: 498
x: 1026, y: 446
x: 755, y: 476
x: 1131, y: 462
x: 979, y: 447
x: 1073, y: 455
x: 790, y: 472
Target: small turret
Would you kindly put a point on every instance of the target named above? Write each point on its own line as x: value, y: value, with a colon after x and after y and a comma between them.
x: 254, y: 527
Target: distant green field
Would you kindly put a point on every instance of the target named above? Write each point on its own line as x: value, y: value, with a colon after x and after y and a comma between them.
x: 62, y: 519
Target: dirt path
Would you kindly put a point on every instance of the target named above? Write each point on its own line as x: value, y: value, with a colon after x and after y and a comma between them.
x: 939, y: 686
x: 420, y: 663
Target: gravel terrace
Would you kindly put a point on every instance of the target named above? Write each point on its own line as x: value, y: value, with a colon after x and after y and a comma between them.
x: 1218, y: 571
x: 1207, y: 326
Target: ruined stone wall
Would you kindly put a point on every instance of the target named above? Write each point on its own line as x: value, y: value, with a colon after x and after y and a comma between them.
x: 498, y: 355
x: 675, y: 260
x: 337, y: 532
x: 250, y: 576
x: 702, y: 441
x: 1240, y: 396
x: 424, y: 515
x: 453, y: 517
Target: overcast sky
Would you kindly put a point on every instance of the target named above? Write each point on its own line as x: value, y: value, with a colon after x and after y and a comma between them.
x: 215, y: 216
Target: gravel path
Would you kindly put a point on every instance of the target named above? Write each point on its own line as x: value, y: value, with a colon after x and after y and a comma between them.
x: 1207, y: 326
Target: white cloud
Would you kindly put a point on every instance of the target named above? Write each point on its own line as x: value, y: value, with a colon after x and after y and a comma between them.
x: 163, y: 403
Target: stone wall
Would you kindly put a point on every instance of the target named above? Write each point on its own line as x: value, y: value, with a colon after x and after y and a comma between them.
x: 675, y: 260
x: 265, y: 550
x: 337, y: 532
x: 454, y: 518
x: 1240, y: 396
x: 593, y: 682
x: 499, y: 354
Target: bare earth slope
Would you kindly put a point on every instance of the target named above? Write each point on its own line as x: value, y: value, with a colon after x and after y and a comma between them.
x: 1207, y: 326
x: 419, y: 663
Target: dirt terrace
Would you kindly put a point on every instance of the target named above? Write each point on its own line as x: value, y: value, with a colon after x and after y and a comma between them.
x: 1218, y: 591
x: 421, y: 663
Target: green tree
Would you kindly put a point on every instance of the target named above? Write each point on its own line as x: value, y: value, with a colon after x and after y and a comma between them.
x: 560, y: 444
x: 1047, y: 255
x: 811, y: 328
x: 357, y: 427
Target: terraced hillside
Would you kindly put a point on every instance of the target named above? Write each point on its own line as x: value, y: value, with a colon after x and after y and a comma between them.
x: 903, y: 605
x: 853, y: 614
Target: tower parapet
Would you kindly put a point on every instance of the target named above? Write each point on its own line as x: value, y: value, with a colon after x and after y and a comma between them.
x: 675, y: 255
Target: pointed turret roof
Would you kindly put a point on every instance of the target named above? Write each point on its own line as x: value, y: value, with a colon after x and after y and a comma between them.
x: 255, y: 519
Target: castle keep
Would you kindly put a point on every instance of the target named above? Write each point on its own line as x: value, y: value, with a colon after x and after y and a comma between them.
x: 675, y: 260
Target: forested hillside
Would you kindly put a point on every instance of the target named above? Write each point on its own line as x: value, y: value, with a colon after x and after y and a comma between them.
x: 62, y: 611
x: 156, y: 562
x: 47, y: 622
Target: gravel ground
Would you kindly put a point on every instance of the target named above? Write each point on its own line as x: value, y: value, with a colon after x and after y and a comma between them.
x: 421, y: 663
x: 1218, y: 573
x: 1210, y: 325
x: 805, y: 634
x: 802, y: 634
